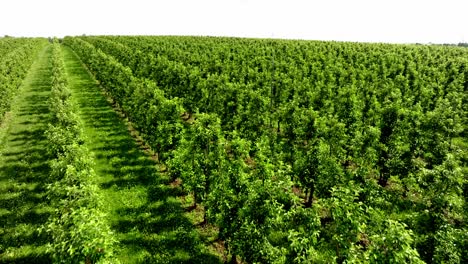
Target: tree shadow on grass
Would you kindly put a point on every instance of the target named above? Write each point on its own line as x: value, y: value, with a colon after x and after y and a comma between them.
x: 30, y: 259
x: 169, y: 236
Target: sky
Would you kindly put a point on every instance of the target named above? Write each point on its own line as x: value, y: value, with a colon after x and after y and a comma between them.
x: 393, y: 21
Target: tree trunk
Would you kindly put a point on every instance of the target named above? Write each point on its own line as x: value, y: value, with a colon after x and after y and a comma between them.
x: 233, y: 259
x: 205, y: 221
x: 384, y: 171
x: 195, y: 199
x: 383, y: 179
x: 310, y: 197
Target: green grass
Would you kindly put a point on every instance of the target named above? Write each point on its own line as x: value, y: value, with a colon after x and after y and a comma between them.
x: 24, y: 169
x: 146, y: 214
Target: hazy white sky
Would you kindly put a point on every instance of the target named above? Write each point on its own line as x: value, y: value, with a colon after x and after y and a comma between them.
x: 397, y: 21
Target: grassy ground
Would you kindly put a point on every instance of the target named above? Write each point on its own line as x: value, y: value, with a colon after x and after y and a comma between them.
x: 145, y: 213
x: 24, y: 169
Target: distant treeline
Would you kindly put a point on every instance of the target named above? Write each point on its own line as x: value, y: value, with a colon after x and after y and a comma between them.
x: 461, y: 44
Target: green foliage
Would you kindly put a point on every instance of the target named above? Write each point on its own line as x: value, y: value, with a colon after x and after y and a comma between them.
x: 450, y: 245
x: 199, y: 154
x: 394, y: 244
x: 303, y: 151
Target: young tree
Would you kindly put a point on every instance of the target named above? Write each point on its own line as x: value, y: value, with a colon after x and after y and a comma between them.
x: 199, y: 154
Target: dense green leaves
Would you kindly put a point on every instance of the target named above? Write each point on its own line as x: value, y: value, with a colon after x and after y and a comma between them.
x: 304, y: 151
